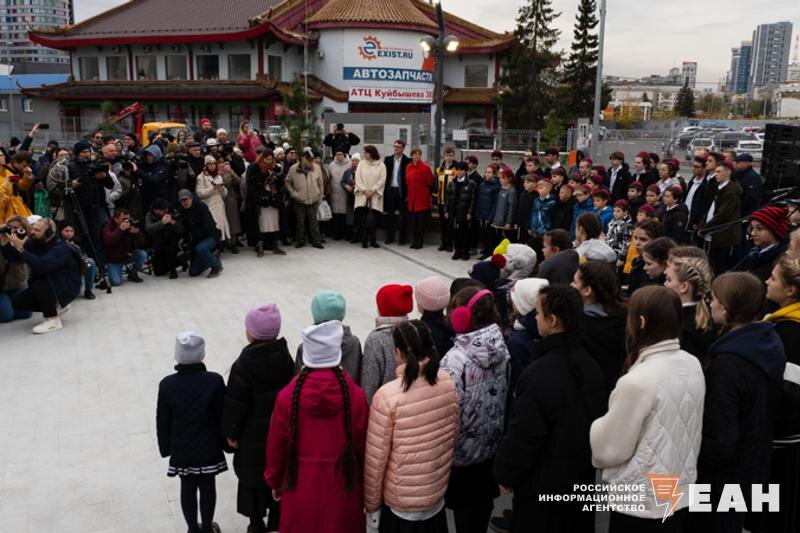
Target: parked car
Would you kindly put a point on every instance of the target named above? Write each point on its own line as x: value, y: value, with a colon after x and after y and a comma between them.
x: 697, y: 142
x: 730, y: 140
x: 754, y: 148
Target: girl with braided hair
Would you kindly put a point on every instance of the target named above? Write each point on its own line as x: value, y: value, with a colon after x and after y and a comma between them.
x: 315, y: 445
x: 689, y: 274
x: 413, y: 423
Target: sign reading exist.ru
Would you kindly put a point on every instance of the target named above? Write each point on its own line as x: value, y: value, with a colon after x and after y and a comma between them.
x: 387, y: 66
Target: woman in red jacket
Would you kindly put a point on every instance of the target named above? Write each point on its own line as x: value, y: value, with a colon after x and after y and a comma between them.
x: 419, y: 184
x: 316, y: 439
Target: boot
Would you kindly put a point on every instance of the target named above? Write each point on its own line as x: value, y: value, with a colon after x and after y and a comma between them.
x: 88, y: 294
x: 259, y: 250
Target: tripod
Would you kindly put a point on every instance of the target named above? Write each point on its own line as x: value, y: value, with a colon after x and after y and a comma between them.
x: 77, y: 212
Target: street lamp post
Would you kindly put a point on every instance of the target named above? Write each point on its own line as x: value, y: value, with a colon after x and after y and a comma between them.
x: 438, y: 47
x: 598, y: 82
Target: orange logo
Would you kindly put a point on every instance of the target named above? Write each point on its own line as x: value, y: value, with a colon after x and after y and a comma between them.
x: 665, y: 490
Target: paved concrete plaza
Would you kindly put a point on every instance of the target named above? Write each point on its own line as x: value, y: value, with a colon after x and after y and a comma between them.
x: 78, y: 446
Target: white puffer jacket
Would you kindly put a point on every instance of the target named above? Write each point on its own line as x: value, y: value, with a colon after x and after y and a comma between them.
x: 654, y: 423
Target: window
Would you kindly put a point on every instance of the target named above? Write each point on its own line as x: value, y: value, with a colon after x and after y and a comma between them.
x: 373, y: 134
x: 3, y: 104
x: 207, y: 67
x: 27, y: 105
x: 146, y: 68
x: 176, y: 67
x: 476, y: 75
x: 474, y: 118
x: 275, y: 67
x: 89, y: 68
x: 117, y: 68
x: 239, y: 67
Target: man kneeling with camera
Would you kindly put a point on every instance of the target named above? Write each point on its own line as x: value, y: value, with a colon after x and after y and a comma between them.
x: 123, y: 243
x: 164, y: 228
x: 55, y: 278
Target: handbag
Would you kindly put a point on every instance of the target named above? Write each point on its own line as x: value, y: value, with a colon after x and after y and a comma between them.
x: 370, y: 218
x: 324, y: 212
x: 41, y: 203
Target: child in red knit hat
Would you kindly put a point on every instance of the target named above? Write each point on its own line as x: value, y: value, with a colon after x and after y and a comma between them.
x: 394, y: 302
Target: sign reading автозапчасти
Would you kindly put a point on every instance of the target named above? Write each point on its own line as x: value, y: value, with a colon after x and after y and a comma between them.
x: 387, y: 66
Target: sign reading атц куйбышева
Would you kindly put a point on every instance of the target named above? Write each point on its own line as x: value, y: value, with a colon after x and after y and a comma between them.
x: 387, y: 66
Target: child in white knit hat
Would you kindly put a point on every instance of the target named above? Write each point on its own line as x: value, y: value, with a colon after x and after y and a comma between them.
x: 188, y: 427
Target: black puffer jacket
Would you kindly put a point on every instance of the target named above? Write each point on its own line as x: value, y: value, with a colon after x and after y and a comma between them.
x: 197, y: 222
x: 742, y: 385
x: 561, y: 215
x: 546, y: 449
x: 760, y: 263
x: 460, y: 199
x: 262, y: 370
x: 603, y: 337
x: 675, y: 222
x: 188, y: 415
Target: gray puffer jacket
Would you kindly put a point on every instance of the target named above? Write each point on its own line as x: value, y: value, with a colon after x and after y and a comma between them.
x: 478, y: 363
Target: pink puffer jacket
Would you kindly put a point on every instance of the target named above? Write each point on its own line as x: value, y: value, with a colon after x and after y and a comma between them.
x: 410, y: 442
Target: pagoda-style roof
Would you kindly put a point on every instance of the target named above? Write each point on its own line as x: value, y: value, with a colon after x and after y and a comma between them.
x: 371, y: 13
x: 262, y: 88
x: 157, y: 22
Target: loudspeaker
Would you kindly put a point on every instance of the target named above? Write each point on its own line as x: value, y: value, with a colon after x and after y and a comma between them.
x: 780, y: 162
x: 781, y: 133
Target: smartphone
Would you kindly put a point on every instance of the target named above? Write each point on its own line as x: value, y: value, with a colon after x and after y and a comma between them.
x: 44, y: 126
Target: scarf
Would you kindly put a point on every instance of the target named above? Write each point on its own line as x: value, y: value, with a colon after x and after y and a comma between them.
x: 789, y: 313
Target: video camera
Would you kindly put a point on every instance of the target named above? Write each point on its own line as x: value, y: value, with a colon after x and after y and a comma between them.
x: 98, y: 166
x: 19, y: 232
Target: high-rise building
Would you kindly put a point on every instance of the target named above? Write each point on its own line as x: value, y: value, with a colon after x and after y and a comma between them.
x: 17, y: 17
x: 794, y: 73
x: 689, y: 73
x: 740, y: 68
x: 770, y: 56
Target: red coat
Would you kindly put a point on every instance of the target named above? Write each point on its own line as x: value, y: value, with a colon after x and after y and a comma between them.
x: 419, y: 184
x: 319, y: 502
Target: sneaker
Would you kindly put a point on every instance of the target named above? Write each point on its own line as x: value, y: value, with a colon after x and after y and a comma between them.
x: 48, y: 326
x: 134, y: 277
x: 63, y: 310
x: 88, y: 294
x: 173, y: 274
x: 215, y: 272
x: 278, y: 250
x: 318, y: 245
x: 500, y: 524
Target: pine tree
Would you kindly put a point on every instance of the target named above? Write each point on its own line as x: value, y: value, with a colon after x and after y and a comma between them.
x: 300, y: 124
x: 684, y: 103
x: 528, y: 87
x: 580, y: 69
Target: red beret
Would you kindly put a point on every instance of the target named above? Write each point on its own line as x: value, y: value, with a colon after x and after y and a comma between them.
x: 622, y: 203
x: 726, y: 164
x: 636, y: 185
x: 499, y: 261
x: 596, y: 178
x: 655, y: 188
x: 588, y: 160
x: 643, y: 154
x: 601, y: 193
x: 648, y: 209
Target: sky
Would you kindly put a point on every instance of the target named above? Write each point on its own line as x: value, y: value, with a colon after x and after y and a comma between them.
x: 642, y: 36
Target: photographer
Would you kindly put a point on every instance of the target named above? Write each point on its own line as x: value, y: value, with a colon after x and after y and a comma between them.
x: 194, y: 155
x: 13, y: 275
x: 123, y: 243
x: 153, y: 172
x: 89, y: 182
x: 201, y: 233
x: 164, y: 229
x: 54, y: 273
x: 340, y: 140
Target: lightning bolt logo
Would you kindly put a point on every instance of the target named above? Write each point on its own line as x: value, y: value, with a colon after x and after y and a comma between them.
x: 666, y: 492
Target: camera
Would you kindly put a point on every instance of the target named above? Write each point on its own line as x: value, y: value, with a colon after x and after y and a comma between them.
x: 96, y: 167
x: 19, y: 232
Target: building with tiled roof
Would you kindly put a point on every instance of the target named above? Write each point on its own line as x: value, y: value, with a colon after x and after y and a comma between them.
x: 204, y: 58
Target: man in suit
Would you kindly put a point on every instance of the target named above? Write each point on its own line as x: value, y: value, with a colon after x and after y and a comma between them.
x: 695, y: 198
x: 395, y: 192
x: 618, y: 177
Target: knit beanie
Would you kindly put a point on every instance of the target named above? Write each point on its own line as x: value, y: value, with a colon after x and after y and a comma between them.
x: 463, y: 283
x: 209, y: 159
x: 524, y: 293
x: 322, y: 345
x: 775, y: 219
x: 190, y: 348
x: 488, y: 272
x: 432, y: 294
x: 263, y: 323
x: 394, y: 300
x: 328, y: 305
x: 81, y: 146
